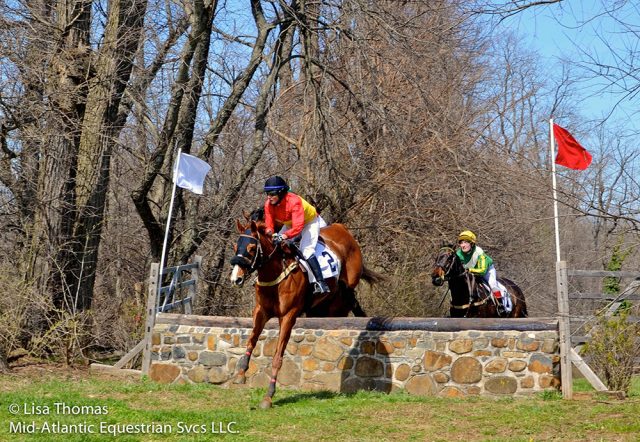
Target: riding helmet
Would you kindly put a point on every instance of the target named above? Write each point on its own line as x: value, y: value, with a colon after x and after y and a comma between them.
x: 467, y: 235
x: 276, y: 184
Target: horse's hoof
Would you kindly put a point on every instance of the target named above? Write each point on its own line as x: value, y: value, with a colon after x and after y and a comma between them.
x: 240, y: 379
x: 266, y: 403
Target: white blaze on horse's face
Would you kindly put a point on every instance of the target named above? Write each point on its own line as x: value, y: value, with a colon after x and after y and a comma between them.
x: 237, y: 276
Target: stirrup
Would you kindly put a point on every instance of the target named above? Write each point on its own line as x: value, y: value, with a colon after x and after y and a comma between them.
x: 320, y: 288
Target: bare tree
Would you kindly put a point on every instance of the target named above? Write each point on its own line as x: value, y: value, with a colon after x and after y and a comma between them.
x: 408, y: 121
x: 69, y: 124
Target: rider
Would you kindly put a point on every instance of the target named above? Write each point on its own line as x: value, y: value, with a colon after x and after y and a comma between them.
x: 297, y: 217
x: 479, y: 263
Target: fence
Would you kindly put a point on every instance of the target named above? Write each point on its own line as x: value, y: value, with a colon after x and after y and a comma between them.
x: 163, y: 297
x: 568, y: 334
x: 608, y: 303
x: 170, y: 296
x: 446, y: 357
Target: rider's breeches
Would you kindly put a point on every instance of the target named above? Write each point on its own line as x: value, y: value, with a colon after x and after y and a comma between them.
x: 490, y: 277
x: 309, y: 236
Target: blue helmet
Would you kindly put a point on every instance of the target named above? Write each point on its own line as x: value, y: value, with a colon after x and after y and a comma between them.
x: 276, y: 184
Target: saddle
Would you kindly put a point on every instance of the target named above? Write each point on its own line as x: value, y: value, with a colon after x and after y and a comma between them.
x: 481, y: 293
x: 329, y: 263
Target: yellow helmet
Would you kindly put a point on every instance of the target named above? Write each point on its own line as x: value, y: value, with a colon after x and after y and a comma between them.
x: 467, y: 235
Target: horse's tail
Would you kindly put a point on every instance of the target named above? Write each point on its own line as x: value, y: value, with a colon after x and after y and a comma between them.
x: 372, y: 277
x: 525, y: 314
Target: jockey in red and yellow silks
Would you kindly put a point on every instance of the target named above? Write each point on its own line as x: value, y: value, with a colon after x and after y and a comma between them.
x: 297, y: 217
x: 292, y: 211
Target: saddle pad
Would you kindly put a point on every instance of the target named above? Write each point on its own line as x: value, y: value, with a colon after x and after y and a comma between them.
x: 508, y: 304
x: 329, y: 263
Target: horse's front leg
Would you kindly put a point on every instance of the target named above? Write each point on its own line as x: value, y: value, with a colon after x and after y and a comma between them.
x: 286, y: 325
x: 260, y: 318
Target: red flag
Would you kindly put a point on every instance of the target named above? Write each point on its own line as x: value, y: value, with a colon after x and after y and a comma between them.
x: 570, y: 153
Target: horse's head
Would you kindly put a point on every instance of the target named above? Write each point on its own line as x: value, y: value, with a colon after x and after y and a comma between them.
x: 251, y: 249
x: 255, y: 215
x: 444, y: 263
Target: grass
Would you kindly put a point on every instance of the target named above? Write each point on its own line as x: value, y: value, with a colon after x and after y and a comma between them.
x: 202, y: 412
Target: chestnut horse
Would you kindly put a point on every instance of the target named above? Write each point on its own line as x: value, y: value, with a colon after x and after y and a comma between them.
x: 283, y: 290
x: 469, y: 297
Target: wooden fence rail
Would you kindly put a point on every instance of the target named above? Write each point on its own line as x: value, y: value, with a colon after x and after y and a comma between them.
x: 603, y: 274
x: 165, y: 298
x: 577, y: 330
x: 170, y: 296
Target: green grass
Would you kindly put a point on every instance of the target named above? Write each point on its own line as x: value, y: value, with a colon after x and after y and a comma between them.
x: 307, y: 416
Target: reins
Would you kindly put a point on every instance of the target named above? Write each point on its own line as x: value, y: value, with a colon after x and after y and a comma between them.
x: 471, y: 287
x: 469, y: 281
x: 259, y: 260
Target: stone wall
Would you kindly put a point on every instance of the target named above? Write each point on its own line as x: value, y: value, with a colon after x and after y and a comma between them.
x: 444, y: 356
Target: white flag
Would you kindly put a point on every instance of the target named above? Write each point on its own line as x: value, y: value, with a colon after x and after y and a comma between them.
x: 191, y: 172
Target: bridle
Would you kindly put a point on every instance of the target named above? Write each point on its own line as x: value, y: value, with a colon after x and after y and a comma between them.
x: 445, y: 262
x: 259, y: 258
x: 251, y: 264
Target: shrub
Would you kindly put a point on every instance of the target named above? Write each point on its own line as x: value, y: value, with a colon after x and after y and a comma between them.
x: 613, y: 348
x: 17, y: 307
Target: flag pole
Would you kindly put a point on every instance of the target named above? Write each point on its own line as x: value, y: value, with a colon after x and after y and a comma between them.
x: 555, y: 194
x: 166, y: 233
x: 564, y: 324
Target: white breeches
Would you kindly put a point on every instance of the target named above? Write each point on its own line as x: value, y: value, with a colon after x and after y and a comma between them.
x: 490, y: 277
x: 309, y: 235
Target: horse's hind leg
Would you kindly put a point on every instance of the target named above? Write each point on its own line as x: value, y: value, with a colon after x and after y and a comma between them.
x: 260, y: 318
x: 286, y: 325
x: 357, y: 308
x: 349, y: 296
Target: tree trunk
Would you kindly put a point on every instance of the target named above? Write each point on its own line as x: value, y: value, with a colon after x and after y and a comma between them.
x: 99, y: 135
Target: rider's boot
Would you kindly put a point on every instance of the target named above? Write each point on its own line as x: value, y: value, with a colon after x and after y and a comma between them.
x: 497, y: 295
x: 321, y: 284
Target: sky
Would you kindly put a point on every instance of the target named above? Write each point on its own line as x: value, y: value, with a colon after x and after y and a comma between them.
x: 578, y: 30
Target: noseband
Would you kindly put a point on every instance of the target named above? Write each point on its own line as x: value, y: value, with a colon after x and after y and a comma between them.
x: 244, y: 261
x: 258, y: 259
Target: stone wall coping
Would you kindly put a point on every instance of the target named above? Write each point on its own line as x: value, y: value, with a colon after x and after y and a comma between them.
x: 372, y: 324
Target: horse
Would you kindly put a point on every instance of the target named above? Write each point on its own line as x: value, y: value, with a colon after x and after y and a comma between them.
x: 282, y: 290
x: 470, y: 296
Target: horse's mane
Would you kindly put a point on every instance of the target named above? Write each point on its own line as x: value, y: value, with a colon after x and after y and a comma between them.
x: 257, y: 214
x: 261, y: 226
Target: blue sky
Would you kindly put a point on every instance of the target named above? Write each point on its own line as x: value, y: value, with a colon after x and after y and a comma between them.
x: 578, y: 30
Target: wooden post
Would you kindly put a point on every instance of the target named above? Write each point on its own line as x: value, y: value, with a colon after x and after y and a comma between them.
x: 584, y: 368
x: 193, y: 289
x: 564, y: 330
x: 154, y: 280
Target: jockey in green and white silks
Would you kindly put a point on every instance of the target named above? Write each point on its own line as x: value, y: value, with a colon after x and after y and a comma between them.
x: 479, y: 263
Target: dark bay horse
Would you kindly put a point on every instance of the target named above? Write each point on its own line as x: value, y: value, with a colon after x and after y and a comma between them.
x: 283, y: 290
x: 470, y: 298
